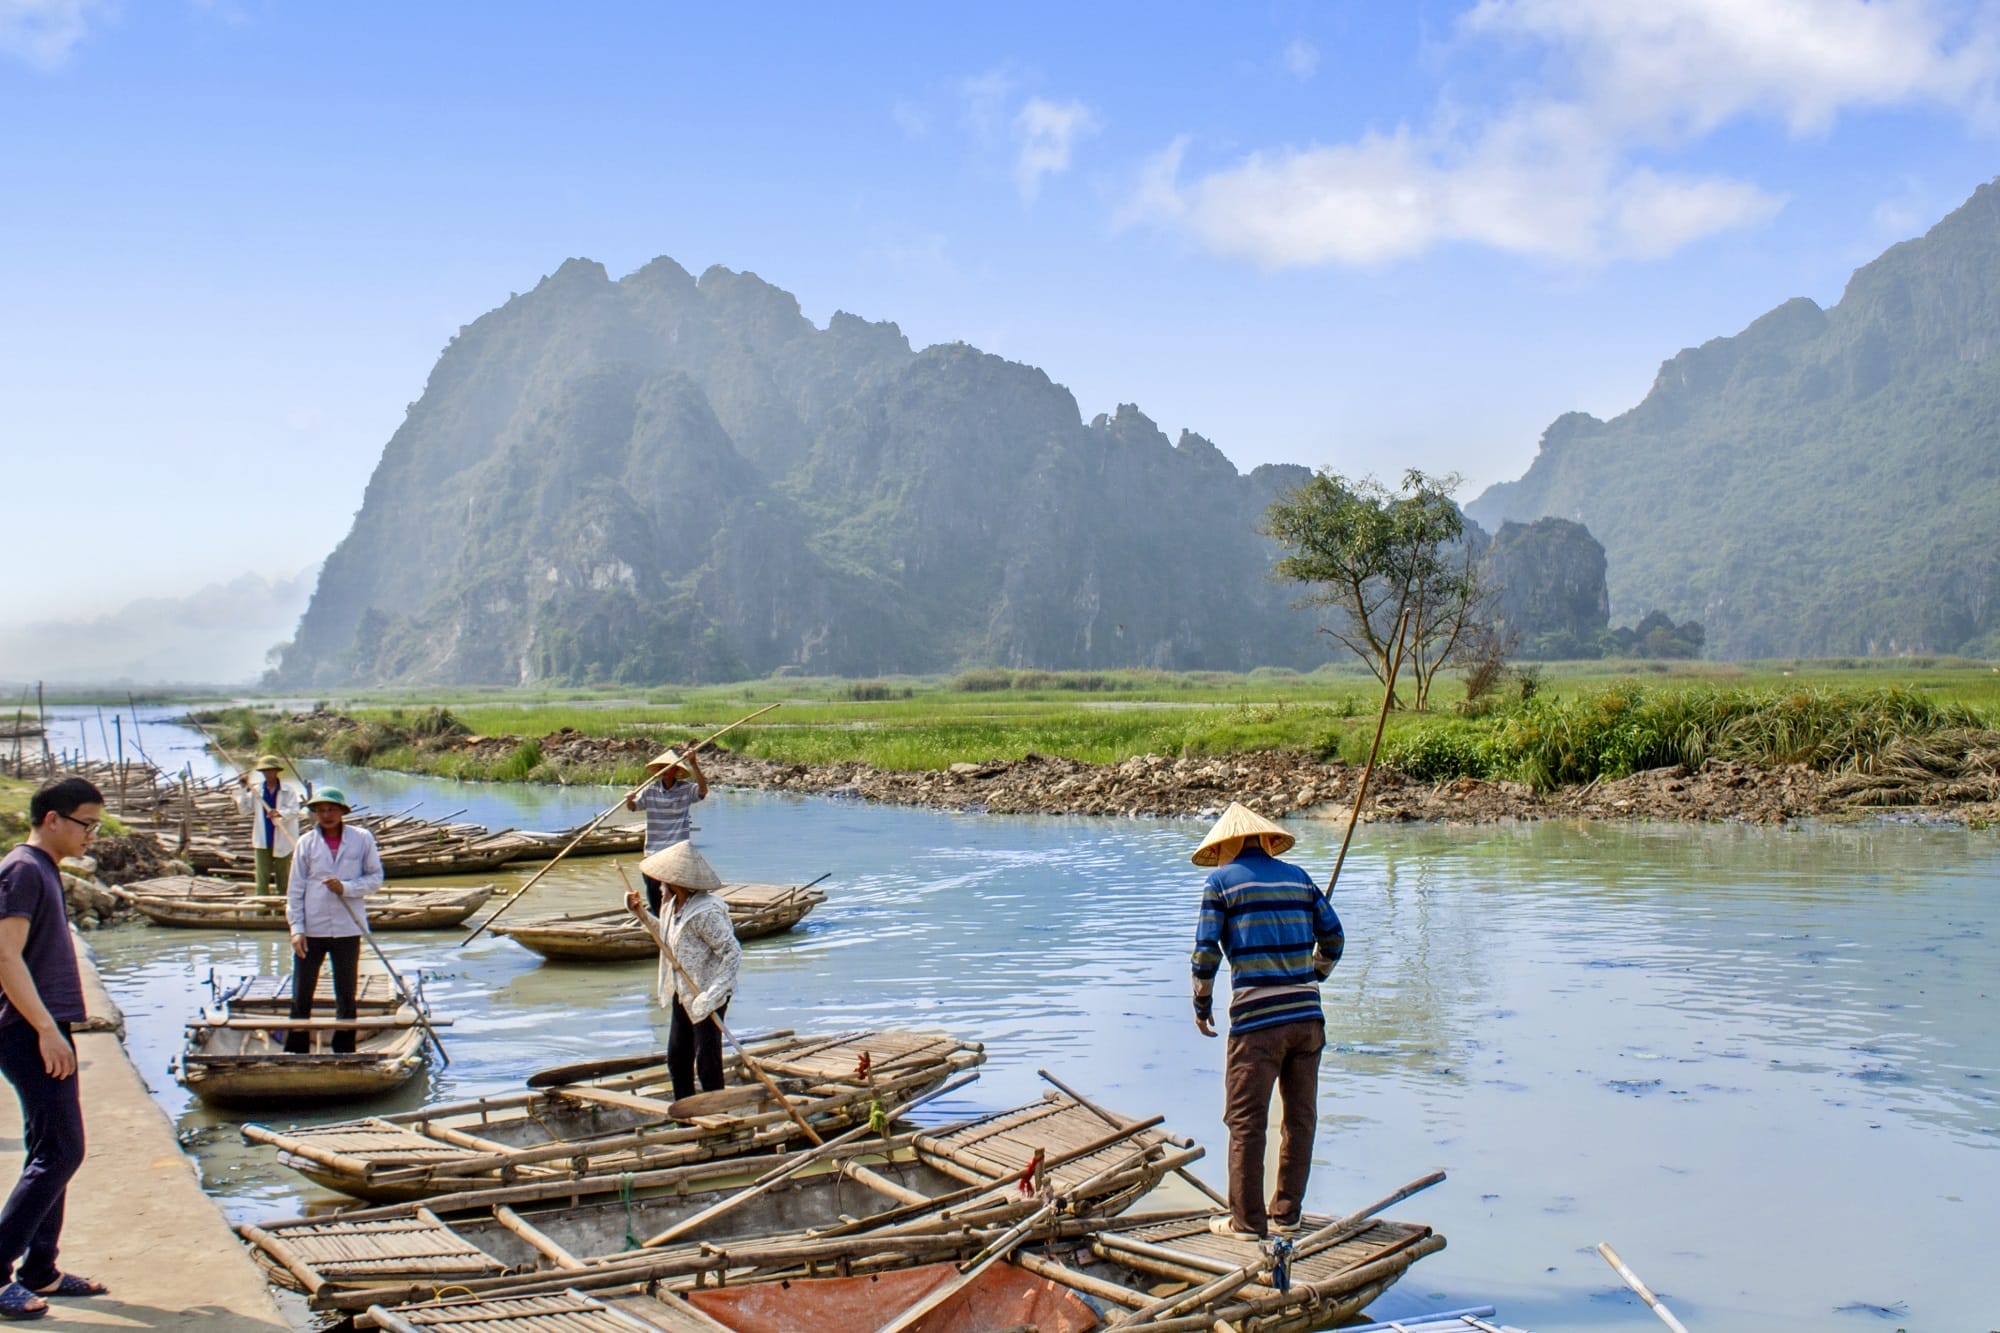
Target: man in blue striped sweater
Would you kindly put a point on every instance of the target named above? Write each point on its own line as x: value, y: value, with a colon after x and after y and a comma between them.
x: 1282, y: 938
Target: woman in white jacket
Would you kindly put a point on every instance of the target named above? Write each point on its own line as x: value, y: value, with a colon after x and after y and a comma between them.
x: 274, y: 823
x: 697, y: 932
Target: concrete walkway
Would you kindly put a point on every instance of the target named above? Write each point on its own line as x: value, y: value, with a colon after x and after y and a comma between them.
x: 137, y: 1219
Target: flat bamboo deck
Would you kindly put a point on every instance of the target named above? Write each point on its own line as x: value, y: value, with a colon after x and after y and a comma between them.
x: 621, y: 1123
x: 564, y: 1312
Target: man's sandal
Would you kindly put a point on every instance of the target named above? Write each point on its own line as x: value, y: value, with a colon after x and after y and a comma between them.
x: 17, y: 1302
x: 1222, y: 1224
x: 74, y: 1287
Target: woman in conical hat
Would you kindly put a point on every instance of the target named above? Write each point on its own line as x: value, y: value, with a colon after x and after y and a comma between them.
x: 697, y: 932
x: 1281, y: 937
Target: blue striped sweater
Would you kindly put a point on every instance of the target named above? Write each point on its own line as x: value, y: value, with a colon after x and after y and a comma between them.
x: 1266, y: 916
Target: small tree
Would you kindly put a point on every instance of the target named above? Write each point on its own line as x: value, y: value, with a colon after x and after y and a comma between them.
x: 1375, y: 553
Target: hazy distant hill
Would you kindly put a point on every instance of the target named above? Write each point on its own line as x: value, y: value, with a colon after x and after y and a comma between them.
x: 1826, y: 481
x: 662, y: 479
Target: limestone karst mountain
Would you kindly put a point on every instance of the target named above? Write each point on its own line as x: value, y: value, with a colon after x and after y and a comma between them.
x: 1824, y: 482
x: 665, y: 479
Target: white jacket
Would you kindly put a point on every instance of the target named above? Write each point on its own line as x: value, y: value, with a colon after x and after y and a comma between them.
x: 701, y: 936
x: 313, y: 909
x: 248, y: 799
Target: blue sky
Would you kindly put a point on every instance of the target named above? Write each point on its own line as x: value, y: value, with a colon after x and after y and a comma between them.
x: 234, y: 235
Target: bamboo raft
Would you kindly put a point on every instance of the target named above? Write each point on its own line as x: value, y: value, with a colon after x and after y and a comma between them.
x: 1164, y: 1273
x: 622, y: 1123
x: 604, y: 840
x: 493, y: 1241
x: 234, y: 1052
x: 196, y: 902
x: 615, y: 935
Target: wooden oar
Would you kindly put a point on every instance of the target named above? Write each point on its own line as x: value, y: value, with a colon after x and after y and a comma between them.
x: 1368, y: 771
x: 742, y: 1053
x: 402, y: 990
x: 1645, y: 1293
x: 591, y: 827
x: 774, y: 1176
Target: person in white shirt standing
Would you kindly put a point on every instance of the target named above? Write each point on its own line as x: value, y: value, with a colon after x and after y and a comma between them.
x: 274, y: 823
x: 698, y: 933
x: 334, y: 870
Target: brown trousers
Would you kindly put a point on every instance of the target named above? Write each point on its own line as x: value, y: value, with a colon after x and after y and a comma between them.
x: 1288, y: 1056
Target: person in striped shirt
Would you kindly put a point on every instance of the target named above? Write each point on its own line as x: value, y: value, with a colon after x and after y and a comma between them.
x: 1281, y: 937
x: 669, y: 807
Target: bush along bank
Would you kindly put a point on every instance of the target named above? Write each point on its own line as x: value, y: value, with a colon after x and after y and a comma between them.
x: 1622, y: 753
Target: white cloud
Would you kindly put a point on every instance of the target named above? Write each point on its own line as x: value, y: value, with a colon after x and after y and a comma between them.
x: 1688, y: 66
x: 1301, y: 59
x: 43, y: 32
x: 1045, y: 132
x: 1554, y: 174
x: 984, y: 98
x: 910, y: 118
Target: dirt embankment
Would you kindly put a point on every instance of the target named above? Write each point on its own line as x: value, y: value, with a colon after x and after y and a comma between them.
x: 1280, y: 783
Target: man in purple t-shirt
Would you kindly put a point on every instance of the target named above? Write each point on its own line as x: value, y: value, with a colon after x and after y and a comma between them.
x: 41, y: 996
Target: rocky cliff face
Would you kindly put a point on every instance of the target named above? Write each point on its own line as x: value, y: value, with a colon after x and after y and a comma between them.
x: 1826, y: 481
x: 1551, y: 579
x: 665, y: 479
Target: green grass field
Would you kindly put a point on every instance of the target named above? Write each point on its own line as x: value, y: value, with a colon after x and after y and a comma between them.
x: 1585, y: 719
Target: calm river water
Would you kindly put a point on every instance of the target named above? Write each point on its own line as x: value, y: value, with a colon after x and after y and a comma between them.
x: 1762, y: 1063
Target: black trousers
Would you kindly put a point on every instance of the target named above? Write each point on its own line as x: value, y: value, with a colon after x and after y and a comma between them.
x: 695, y: 1050
x: 656, y: 892
x: 345, y: 951
x: 52, y: 1132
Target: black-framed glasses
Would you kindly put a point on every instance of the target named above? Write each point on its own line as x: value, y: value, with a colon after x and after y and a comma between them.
x: 89, y: 826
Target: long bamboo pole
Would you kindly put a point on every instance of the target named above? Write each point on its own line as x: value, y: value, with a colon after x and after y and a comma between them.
x: 742, y: 1052
x: 591, y: 827
x: 1368, y: 770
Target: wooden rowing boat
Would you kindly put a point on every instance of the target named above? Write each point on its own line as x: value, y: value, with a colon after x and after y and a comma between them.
x: 1002, y: 1297
x: 918, y: 1181
x: 613, y: 935
x: 234, y: 1052
x: 604, y: 840
x: 196, y: 902
x: 623, y: 1123
x: 1165, y: 1272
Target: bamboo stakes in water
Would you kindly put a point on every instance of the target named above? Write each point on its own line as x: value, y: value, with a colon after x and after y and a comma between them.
x: 1659, y: 1307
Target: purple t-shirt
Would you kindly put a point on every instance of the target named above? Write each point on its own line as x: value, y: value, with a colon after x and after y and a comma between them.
x: 31, y: 886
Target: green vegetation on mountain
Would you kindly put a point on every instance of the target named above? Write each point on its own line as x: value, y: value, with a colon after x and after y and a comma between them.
x: 1825, y: 482
x: 664, y: 479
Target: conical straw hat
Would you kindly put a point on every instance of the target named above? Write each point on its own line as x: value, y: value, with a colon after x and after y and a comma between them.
x: 660, y: 763
x: 682, y: 867
x: 1225, y: 840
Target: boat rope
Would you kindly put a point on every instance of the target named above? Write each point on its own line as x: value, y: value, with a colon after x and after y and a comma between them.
x: 439, y: 1293
x: 632, y: 1242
